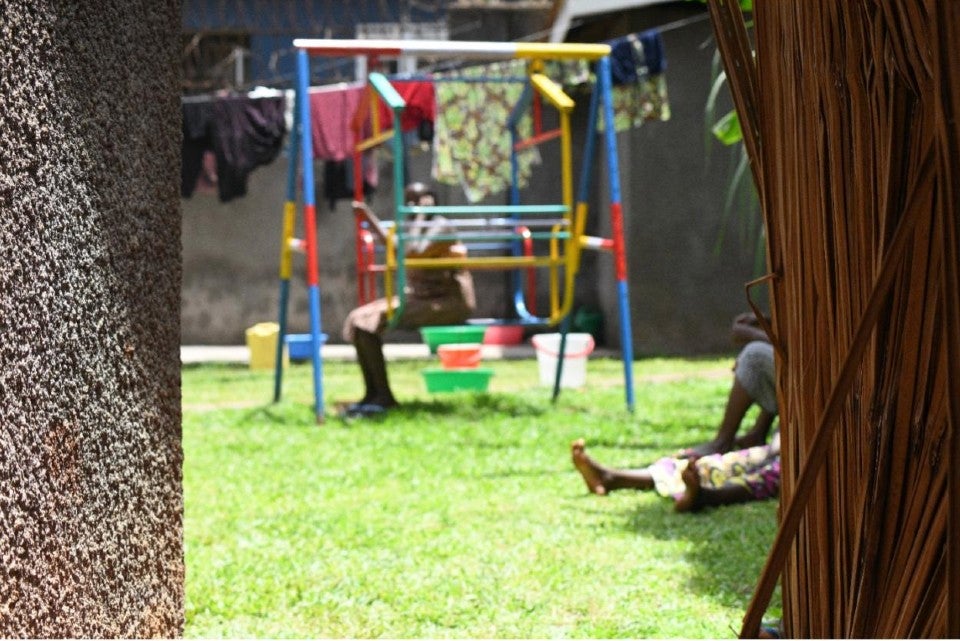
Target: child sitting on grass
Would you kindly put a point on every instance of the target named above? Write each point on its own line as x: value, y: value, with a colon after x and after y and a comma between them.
x: 727, y: 469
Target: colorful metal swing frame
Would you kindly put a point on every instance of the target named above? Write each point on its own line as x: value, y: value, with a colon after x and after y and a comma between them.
x: 515, y: 226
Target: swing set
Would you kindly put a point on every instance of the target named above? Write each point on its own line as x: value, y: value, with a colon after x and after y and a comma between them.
x: 522, y: 239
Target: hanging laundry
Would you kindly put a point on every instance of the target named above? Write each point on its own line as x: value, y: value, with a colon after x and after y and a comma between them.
x: 338, y: 182
x: 247, y: 133
x: 197, y: 118
x: 472, y: 144
x: 623, y: 61
x: 636, y: 57
x: 421, y: 106
x: 241, y: 132
x: 425, y: 131
x: 331, y: 111
x: 572, y: 74
x: 207, y: 182
x: 637, y: 64
x: 651, y: 43
x: 336, y: 185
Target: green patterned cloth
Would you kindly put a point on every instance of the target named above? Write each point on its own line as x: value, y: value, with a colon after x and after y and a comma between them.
x: 633, y: 104
x: 471, y: 142
x: 471, y: 136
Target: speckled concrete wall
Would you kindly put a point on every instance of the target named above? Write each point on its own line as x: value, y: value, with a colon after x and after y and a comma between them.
x: 90, y: 457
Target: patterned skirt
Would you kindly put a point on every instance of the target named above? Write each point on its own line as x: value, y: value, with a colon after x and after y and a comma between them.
x: 756, y: 468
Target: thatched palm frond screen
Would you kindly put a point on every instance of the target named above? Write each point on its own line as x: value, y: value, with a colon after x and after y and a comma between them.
x: 849, y: 112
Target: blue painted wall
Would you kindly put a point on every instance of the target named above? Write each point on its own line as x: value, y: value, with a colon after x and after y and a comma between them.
x: 272, y: 26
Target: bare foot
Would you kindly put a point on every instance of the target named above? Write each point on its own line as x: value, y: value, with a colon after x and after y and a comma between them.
x: 689, y: 500
x: 589, y: 470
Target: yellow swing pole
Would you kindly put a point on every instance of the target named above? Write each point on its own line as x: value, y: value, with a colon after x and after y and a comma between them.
x: 564, y: 105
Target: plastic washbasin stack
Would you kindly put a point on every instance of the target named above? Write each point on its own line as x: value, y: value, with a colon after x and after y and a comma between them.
x: 439, y: 335
x: 459, y: 350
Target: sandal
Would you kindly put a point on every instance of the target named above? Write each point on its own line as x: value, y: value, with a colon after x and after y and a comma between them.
x: 363, y: 410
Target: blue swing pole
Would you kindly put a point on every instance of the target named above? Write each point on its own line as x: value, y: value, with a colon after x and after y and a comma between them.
x: 561, y: 351
x: 310, y: 227
x: 512, y: 121
x: 616, y: 223
x: 286, y: 251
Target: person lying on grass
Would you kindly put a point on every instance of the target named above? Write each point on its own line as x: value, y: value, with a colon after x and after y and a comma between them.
x: 737, y: 476
x: 726, y: 469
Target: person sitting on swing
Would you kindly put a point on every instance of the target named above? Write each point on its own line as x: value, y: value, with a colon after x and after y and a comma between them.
x: 433, y: 297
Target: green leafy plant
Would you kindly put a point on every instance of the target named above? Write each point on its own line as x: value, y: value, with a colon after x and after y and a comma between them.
x: 740, y: 200
x: 727, y: 129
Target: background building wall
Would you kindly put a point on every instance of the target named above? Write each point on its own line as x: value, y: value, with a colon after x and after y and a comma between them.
x: 684, y: 288
x: 90, y: 471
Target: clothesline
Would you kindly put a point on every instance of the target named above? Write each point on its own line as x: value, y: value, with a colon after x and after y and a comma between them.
x: 434, y: 107
x: 336, y: 86
x: 257, y: 92
x: 442, y: 78
x: 683, y: 22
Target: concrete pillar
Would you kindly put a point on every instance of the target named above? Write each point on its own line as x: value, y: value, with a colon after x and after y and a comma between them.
x: 90, y: 456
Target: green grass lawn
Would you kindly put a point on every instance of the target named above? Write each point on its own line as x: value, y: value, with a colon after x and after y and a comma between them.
x: 459, y: 515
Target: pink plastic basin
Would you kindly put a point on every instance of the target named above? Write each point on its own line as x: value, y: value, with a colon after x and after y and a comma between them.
x: 503, y: 335
x: 459, y: 355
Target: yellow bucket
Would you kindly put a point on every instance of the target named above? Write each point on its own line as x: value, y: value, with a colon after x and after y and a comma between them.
x: 262, y: 342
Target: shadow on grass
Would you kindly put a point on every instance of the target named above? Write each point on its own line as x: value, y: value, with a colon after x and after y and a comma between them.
x: 301, y: 414
x: 480, y: 403
x: 291, y: 414
x: 728, y: 548
x: 621, y: 444
x: 276, y: 414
